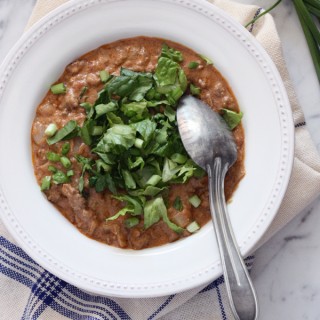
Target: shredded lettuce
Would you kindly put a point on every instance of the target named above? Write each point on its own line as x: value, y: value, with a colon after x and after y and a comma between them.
x: 154, y: 210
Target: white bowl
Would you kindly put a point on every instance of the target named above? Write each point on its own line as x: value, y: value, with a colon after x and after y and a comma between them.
x: 77, y: 27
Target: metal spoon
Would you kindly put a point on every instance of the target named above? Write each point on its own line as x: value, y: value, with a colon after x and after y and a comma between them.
x: 210, y: 144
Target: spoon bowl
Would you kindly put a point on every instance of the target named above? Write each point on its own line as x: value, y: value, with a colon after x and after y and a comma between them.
x: 204, y: 133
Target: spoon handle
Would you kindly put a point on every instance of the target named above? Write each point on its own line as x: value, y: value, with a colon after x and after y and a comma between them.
x: 242, y: 297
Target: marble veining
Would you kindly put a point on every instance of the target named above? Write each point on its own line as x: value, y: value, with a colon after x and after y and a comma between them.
x: 286, y: 269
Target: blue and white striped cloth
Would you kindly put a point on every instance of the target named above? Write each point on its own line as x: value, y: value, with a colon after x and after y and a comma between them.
x: 34, y: 293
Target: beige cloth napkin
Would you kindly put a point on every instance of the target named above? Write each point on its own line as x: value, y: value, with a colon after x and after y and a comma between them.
x: 303, y: 188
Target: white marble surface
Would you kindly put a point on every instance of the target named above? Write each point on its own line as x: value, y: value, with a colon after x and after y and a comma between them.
x: 286, y: 270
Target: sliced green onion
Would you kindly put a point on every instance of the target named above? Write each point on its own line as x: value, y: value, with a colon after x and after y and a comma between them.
x: 58, y: 88
x: 193, y: 65
x: 104, y: 76
x: 195, y: 201
x: 179, y: 158
x: 153, y: 180
x: 52, y: 156
x: 65, y: 162
x: 97, y: 131
x: 63, y: 132
x: 52, y: 169
x: 193, y: 227
x: 45, y: 183
x: 138, y: 143
x: 65, y: 148
x: 131, y: 222
x: 70, y: 173
x: 51, y: 130
x: 60, y: 177
x: 206, y: 59
x: 194, y: 90
x: 177, y: 204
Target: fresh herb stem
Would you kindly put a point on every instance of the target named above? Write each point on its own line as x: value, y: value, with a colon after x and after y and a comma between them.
x: 262, y: 14
x: 312, y: 42
x: 306, y: 17
x: 315, y: 11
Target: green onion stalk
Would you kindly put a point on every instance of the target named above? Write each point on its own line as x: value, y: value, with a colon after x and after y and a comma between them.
x: 308, y: 12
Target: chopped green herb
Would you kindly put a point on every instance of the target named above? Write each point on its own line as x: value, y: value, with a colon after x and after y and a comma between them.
x: 60, y: 177
x: 51, y: 130
x: 128, y: 179
x: 85, y: 132
x: 52, y: 169
x: 195, y: 201
x: 105, y: 108
x: 97, y: 131
x: 178, y: 204
x: 65, y: 148
x: 70, y: 173
x: 87, y: 106
x: 206, y: 59
x: 131, y: 222
x: 171, y: 53
x: 134, y: 141
x: 101, y: 165
x: 46, y: 183
x: 58, y: 88
x: 104, y: 76
x: 65, y: 162
x: 179, y: 158
x: 193, y: 227
x: 52, y: 156
x: 194, y: 90
x: 153, y: 180
x: 193, y: 65
x: 69, y: 128
x: 232, y: 118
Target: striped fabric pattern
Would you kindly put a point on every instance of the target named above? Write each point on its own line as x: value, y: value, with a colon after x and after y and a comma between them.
x: 46, y: 291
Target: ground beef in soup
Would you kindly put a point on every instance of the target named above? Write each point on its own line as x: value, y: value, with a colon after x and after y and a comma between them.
x: 88, y: 211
